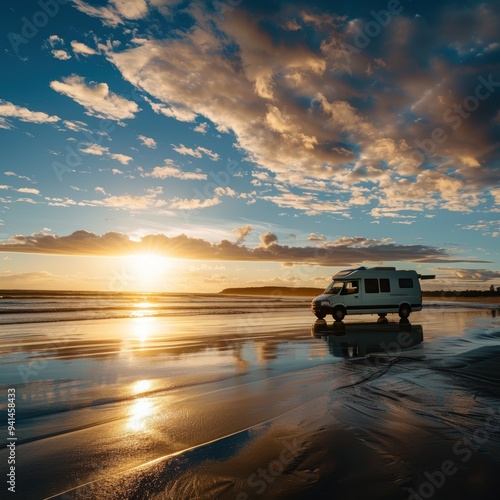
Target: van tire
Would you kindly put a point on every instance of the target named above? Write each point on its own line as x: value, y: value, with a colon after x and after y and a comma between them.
x: 404, y: 311
x: 338, y: 313
x: 320, y: 316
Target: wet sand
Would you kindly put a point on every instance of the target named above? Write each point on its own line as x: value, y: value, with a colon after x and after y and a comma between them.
x: 261, y: 405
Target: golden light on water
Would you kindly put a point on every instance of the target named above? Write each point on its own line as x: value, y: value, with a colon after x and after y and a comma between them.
x: 139, y: 412
x: 141, y: 408
x: 142, y: 328
x: 141, y: 386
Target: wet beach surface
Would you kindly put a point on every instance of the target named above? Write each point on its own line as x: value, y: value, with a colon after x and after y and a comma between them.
x: 260, y: 405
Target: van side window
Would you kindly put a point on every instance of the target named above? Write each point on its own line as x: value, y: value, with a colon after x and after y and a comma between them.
x: 385, y: 285
x: 405, y: 283
x: 350, y: 287
x: 371, y: 285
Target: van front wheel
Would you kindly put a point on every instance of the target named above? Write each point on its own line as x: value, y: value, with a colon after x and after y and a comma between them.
x: 338, y: 313
x: 404, y: 311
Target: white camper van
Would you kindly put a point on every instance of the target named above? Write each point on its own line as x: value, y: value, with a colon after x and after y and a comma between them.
x: 376, y: 290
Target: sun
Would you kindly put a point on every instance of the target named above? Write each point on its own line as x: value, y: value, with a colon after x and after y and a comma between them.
x: 148, y: 270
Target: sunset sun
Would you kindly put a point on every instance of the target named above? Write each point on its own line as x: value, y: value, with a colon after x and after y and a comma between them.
x: 148, y: 270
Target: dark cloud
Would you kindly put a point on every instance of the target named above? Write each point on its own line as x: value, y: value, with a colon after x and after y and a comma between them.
x: 346, y: 251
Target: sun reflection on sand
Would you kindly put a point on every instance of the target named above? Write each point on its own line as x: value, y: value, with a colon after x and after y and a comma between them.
x: 141, y: 408
x: 141, y: 386
x: 142, y: 328
x: 139, y: 412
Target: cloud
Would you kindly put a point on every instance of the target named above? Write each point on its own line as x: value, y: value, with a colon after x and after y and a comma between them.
x: 180, y: 113
x: 131, y: 202
x: 267, y: 239
x: 201, y: 128
x: 123, y: 159
x: 60, y: 54
x: 116, y: 11
x: 242, y: 233
x: 28, y: 191
x: 305, y: 109
x: 7, y: 109
x: 316, y: 237
x: 82, y: 49
x: 197, y: 153
x: 337, y: 253
x: 97, y: 99
x: 147, y: 141
x: 193, y: 203
x: 75, y: 125
x: 472, y: 275
x: 94, y: 149
x: 55, y: 40
x: 172, y: 170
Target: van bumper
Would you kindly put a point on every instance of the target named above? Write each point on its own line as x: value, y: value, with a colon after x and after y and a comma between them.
x: 320, y: 310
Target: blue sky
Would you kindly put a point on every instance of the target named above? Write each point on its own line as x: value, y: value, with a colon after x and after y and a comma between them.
x: 171, y: 145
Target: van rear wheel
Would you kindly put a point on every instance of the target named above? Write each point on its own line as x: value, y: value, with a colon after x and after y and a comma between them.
x: 338, y: 313
x: 404, y: 311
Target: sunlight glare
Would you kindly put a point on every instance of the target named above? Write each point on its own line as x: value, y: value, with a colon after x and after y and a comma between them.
x: 139, y: 411
x: 148, y: 270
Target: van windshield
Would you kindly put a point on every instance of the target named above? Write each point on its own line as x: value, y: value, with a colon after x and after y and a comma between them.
x: 334, y: 287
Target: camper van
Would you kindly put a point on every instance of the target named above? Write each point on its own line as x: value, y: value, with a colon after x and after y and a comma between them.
x: 376, y: 290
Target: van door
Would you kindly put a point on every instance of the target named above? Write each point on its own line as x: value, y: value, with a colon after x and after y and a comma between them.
x: 350, y: 295
x: 377, y: 294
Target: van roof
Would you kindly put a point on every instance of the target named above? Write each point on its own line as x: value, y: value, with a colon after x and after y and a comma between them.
x: 362, y: 270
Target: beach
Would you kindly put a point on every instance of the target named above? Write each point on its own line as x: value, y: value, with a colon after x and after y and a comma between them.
x: 247, y: 398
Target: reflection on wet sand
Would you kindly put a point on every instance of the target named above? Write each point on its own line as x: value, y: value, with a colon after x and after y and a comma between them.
x: 359, y: 339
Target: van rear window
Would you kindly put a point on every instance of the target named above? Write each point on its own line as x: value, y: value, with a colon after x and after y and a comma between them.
x: 405, y: 283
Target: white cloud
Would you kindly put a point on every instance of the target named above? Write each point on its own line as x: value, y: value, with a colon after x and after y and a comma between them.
x: 123, y: 159
x: 55, y: 40
x: 81, y: 48
x: 180, y: 113
x: 94, y: 149
x: 201, y: 128
x: 193, y: 204
x: 60, y: 54
x: 116, y: 11
x: 7, y: 109
x: 97, y: 99
x: 147, y: 141
x: 197, y: 153
x: 75, y: 125
x: 28, y: 191
x: 172, y: 170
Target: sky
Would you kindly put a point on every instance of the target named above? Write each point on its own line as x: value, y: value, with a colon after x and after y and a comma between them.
x: 169, y: 145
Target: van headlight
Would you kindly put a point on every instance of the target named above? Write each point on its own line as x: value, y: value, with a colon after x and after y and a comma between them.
x: 325, y: 303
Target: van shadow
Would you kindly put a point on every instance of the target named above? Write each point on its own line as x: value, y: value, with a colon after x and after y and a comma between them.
x: 359, y: 339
